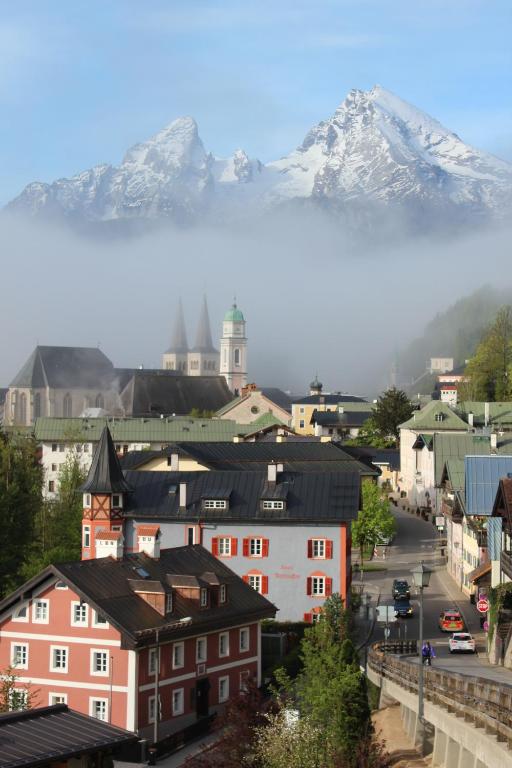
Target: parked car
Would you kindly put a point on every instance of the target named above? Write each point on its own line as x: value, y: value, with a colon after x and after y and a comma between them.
x: 403, y: 608
x: 450, y: 620
x: 462, y: 642
x: 401, y: 589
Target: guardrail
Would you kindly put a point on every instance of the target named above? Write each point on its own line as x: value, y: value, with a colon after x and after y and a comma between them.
x: 483, y: 702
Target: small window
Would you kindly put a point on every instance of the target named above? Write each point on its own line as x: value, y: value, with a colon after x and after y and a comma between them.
x: 222, y: 593
x: 191, y: 535
x: 255, y: 409
x: 255, y: 546
x: 40, y: 611
x: 178, y: 701
x: 200, y: 649
x: 224, y: 546
x: 99, y: 662
x: 61, y: 585
x: 224, y: 644
x: 273, y: 505
x: 152, y: 660
x: 223, y: 689
x: 98, y: 620
x: 62, y: 447
x: 54, y: 467
x: 318, y: 585
x: 319, y: 548
x: 168, y: 603
x: 301, y: 424
x: 203, y: 597
x: 87, y: 500
x: 54, y: 447
x: 98, y: 708
x: 301, y: 409
x: 78, y: 614
x: 244, y: 681
x: 57, y: 698
x: 87, y: 536
x: 255, y: 582
x: 215, y: 504
x: 51, y: 486
x: 19, y: 655
x: 117, y: 500
x: 178, y: 656
x: 151, y: 709
x: 244, y: 639
x: 21, y: 613
x: 58, y: 659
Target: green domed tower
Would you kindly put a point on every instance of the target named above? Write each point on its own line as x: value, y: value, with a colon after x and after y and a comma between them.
x: 233, y: 350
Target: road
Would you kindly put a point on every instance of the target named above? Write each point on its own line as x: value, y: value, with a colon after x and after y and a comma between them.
x: 416, y: 540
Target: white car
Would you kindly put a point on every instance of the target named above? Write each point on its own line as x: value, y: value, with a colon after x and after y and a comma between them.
x: 462, y: 642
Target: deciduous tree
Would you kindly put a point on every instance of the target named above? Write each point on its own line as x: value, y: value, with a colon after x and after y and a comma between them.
x: 374, y: 521
x: 490, y: 370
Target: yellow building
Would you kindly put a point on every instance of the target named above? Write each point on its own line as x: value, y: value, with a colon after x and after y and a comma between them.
x: 304, y: 408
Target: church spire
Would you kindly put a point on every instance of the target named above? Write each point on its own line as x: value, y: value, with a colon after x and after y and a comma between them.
x: 179, y: 343
x: 204, y: 341
x: 105, y: 474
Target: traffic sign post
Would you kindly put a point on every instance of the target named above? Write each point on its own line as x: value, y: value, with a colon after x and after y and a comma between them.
x: 482, y: 605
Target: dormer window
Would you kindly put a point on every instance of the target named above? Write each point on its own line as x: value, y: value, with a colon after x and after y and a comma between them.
x: 439, y: 417
x: 168, y: 603
x: 215, y: 504
x: 272, y: 504
x: 203, y: 599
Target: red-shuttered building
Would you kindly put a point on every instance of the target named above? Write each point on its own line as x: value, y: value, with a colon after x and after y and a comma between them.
x: 172, y: 635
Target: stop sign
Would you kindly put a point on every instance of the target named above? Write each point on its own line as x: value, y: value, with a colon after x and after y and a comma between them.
x: 482, y: 605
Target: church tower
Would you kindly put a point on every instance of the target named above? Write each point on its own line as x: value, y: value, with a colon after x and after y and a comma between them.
x: 203, y: 360
x: 233, y: 350
x: 176, y: 357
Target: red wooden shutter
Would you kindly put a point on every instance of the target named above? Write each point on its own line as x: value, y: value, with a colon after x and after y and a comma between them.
x: 245, y: 547
x: 215, y: 546
x: 310, y: 548
x: 309, y: 589
x: 308, y: 618
x: 328, y: 549
x: 264, y: 585
x: 245, y: 578
x: 234, y: 546
x: 264, y: 548
x: 328, y: 587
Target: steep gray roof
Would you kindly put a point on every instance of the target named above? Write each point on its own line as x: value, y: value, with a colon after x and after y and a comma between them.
x: 150, y: 393
x: 66, y: 368
x: 105, y: 474
x: 204, y: 341
x: 278, y: 397
x: 179, y: 343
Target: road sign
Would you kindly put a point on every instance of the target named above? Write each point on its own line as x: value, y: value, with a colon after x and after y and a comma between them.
x: 387, y: 632
x: 482, y: 605
x: 440, y: 522
x: 386, y: 614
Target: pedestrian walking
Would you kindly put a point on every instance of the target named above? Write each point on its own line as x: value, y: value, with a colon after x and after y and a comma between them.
x: 427, y: 654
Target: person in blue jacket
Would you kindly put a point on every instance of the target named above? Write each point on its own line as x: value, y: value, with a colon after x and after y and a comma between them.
x: 427, y: 653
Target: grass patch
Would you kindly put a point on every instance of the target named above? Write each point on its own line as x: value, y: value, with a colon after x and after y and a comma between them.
x: 373, y: 567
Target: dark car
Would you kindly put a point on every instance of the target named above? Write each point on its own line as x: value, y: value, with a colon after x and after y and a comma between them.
x: 403, y: 608
x: 401, y: 589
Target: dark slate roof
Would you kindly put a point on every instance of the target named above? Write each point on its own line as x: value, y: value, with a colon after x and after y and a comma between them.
x: 368, y: 453
x: 337, y: 419
x: 326, y: 496
x: 107, y: 585
x: 37, y: 737
x: 162, y: 392
x: 278, y: 397
x: 332, y: 399
x: 105, y: 474
x: 66, y: 368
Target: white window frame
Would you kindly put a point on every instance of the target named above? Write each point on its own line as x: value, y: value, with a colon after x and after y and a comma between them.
x: 203, y: 597
x: 152, y: 660
x: 94, y: 653
x: 180, y: 647
x: 17, y: 617
x: 86, y: 537
x: 201, y: 659
x: 152, y: 709
x: 223, y: 681
x: 255, y: 544
x: 215, y: 504
x: 243, y: 645
x: 92, y: 701
x: 180, y: 708
x: 98, y: 624
x: 320, y: 544
x: 273, y: 504
x: 78, y: 604
x: 223, y: 635
x: 53, y: 668
x: 224, y: 546
x: 35, y: 604
x: 86, y: 500
x: 25, y: 651
x: 119, y: 497
x: 255, y: 581
x: 168, y: 603
x: 54, y: 695
x: 61, y: 585
x: 223, y: 594
x: 318, y: 586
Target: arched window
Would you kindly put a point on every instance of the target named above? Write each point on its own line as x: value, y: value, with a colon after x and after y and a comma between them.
x: 237, y: 356
x: 37, y: 405
x: 23, y: 409
x: 87, y: 402
x: 67, y: 406
x: 100, y: 402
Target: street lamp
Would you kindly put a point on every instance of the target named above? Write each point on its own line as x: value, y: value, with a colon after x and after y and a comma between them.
x: 421, y: 579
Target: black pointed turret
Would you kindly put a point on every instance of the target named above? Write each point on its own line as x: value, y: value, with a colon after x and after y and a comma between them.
x: 105, y: 474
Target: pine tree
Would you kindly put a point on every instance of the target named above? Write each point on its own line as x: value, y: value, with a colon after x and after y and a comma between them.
x: 392, y: 408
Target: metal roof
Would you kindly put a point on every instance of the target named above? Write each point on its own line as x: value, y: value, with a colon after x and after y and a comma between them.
x: 105, y: 474
x: 483, y: 475
x: 500, y: 413
x: 453, y: 446
x: 328, y: 399
x: 436, y: 416
x: 66, y: 368
x: 150, y: 393
x: 38, y: 737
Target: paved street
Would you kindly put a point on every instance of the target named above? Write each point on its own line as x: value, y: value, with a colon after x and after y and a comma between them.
x: 416, y: 541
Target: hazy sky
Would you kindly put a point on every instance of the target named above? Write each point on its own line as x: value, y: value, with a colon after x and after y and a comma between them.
x: 81, y: 81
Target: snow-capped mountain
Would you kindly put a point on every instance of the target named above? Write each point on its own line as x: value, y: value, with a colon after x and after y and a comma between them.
x: 375, y: 149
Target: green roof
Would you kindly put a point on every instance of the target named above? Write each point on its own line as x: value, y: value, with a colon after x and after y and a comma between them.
x: 167, y: 430
x: 455, y: 472
x: 499, y: 413
x: 453, y: 446
x: 233, y: 315
x: 436, y: 416
x: 266, y: 420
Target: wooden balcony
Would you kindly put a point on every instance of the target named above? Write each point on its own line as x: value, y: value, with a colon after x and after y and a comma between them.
x: 506, y: 563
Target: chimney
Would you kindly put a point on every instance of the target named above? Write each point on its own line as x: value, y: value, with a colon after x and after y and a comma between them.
x: 183, y: 495
x: 175, y: 462
x: 470, y: 419
x: 494, y: 441
x: 272, y: 473
x: 486, y: 414
x: 148, y: 540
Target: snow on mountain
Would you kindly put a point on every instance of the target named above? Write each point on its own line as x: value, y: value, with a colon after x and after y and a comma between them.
x: 376, y: 148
